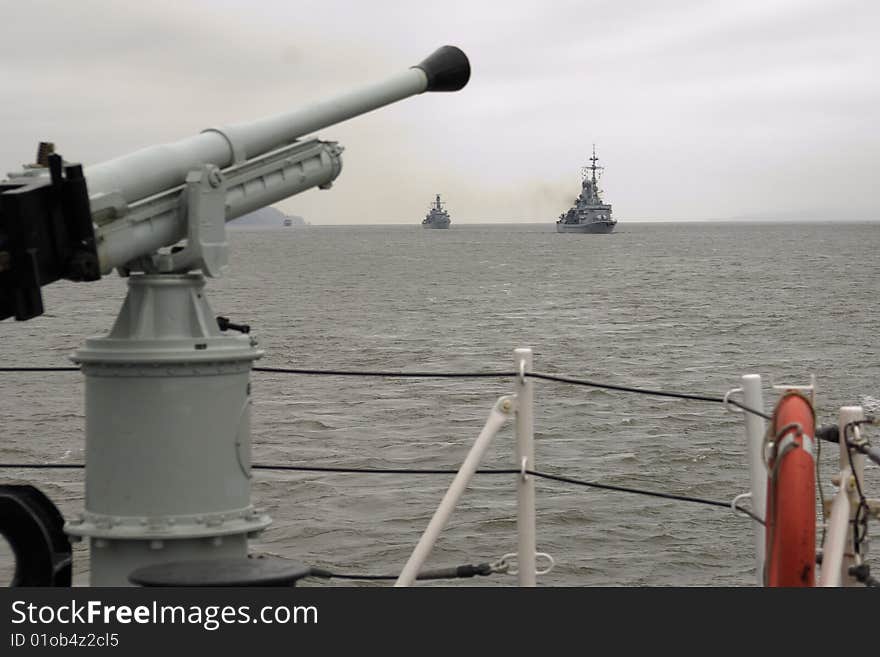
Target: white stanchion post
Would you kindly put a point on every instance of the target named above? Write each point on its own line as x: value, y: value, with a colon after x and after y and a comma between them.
x: 837, y: 537
x: 497, y: 417
x: 755, y: 429
x: 525, y: 457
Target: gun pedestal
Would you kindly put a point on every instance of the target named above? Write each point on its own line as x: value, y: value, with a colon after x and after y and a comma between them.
x: 168, y: 411
x: 167, y: 433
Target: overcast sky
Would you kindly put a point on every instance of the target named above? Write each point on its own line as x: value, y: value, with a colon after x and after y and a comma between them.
x: 698, y: 109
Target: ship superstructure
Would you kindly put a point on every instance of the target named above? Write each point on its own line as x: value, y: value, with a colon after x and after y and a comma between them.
x: 437, y: 216
x: 589, y: 214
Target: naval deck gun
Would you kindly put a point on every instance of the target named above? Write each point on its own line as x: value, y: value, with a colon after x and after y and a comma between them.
x: 167, y: 391
x: 80, y: 224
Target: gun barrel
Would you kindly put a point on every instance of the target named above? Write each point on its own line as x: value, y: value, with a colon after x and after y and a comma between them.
x: 75, y: 226
x: 158, y: 168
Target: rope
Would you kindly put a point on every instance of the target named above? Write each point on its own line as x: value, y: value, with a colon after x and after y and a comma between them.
x: 460, y: 375
x: 643, y: 391
x: 390, y: 374
x: 39, y: 369
x: 862, y: 511
x: 42, y: 466
x: 342, y: 470
x: 454, y: 572
x: 443, y: 471
x: 543, y: 475
x: 610, y: 386
x: 624, y: 489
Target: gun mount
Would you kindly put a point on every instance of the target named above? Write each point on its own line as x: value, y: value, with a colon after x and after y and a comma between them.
x: 78, y: 225
x: 167, y: 392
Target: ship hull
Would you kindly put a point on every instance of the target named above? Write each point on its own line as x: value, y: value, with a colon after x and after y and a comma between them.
x: 435, y: 225
x: 597, y: 227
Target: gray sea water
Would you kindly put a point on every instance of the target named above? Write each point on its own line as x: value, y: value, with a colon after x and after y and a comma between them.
x: 687, y: 307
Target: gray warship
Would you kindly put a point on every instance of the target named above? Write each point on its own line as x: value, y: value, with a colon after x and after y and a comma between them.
x: 589, y: 214
x: 437, y: 216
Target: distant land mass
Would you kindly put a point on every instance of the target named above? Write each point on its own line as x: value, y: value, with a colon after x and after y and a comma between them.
x: 266, y: 218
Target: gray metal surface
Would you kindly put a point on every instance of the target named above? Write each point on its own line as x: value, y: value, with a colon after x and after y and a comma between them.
x: 588, y: 227
x: 257, y: 571
x: 167, y: 433
x: 127, y: 232
x: 157, y: 168
x: 134, y: 198
x: 437, y: 216
x: 589, y: 214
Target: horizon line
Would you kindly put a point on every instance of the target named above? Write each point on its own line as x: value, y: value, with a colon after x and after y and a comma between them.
x: 546, y: 223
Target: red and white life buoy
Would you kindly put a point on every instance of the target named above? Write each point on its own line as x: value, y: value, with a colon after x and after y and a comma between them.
x: 791, y: 495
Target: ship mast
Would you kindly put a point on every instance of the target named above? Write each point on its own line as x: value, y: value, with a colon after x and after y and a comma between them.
x: 593, y: 168
x: 593, y: 191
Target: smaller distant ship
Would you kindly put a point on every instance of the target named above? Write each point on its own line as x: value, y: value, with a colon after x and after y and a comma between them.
x: 437, y: 216
x: 288, y: 221
x: 589, y: 214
